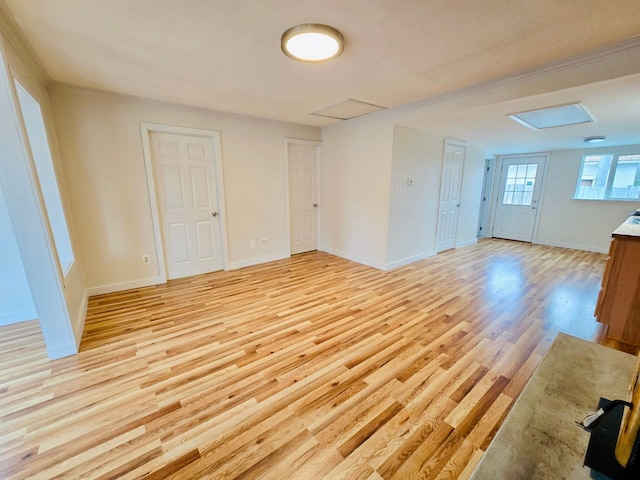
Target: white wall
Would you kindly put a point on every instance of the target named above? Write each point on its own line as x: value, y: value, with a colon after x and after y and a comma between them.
x: 101, y: 147
x: 356, y: 169
x: 580, y: 224
x: 471, y: 200
x: 370, y: 214
x: 16, y: 302
x: 413, y: 210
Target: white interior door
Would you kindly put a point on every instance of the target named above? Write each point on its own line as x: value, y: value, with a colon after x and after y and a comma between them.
x: 185, y: 184
x: 450, y: 191
x: 487, y: 188
x: 303, y: 196
x: 518, y: 196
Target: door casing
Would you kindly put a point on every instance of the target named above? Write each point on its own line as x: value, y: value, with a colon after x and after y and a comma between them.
x: 146, y: 129
x: 496, y: 188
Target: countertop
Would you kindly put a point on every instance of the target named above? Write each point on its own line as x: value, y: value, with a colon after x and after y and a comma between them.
x: 629, y: 228
x: 539, y: 438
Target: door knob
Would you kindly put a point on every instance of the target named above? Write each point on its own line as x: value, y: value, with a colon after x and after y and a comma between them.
x: 215, y: 214
x: 315, y: 205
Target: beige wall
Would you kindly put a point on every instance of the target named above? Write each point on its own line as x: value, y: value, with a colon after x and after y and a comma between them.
x: 356, y: 167
x: 370, y: 214
x: 100, y: 141
x: 580, y: 224
x: 413, y: 210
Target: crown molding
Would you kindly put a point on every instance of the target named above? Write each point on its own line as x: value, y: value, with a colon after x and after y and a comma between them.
x: 591, y: 58
x: 12, y: 33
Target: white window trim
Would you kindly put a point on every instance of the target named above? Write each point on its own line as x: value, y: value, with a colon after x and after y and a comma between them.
x: 612, y: 173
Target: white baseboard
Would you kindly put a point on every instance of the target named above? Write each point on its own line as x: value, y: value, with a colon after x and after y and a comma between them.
x: 467, y: 243
x: 408, y: 260
x: 586, y: 248
x: 257, y: 261
x: 119, y: 287
x: 19, y: 316
x: 355, y: 258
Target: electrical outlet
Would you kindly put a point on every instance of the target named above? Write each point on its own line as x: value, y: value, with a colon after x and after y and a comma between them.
x: 146, y: 259
x: 252, y: 244
x: 263, y: 241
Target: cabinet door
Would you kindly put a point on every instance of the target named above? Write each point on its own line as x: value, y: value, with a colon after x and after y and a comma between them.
x: 619, y: 308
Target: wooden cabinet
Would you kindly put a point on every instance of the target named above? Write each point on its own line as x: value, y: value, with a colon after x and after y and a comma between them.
x: 619, y: 300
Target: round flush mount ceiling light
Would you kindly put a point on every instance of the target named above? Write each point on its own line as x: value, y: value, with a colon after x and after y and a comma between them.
x: 312, y: 42
x: 594, y: 139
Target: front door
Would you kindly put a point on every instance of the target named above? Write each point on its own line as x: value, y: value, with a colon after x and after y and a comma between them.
x: 187, y: 199
x: 518, y: 196
x: 450, y: 192
x: 303, y: 196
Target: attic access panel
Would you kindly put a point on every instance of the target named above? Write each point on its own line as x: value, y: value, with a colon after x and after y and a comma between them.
x: 559, y: 116
x: 348, y: 109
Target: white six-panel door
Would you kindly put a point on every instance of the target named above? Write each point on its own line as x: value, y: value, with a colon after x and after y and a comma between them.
x: 450, y: 192
x: 184, y: 177
x: 303, y: 196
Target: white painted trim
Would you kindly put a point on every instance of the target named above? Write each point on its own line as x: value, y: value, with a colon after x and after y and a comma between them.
x: 409, y: 260
x: 78, y: 324
x: 574, y: 246
x: 19, y: 316
x: 119, y: 287
x: 145, y: 130
x: 30, y: 227
x: 318, y: 145
x: 258, y: 260
x: 467, y: 243
x: 355, y: 258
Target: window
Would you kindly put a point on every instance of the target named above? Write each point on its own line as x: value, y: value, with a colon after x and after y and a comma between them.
x: 609, y: 177
x: 518, y: 189
x: 46, y: 176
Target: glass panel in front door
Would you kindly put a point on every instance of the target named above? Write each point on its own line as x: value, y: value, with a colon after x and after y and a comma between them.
x: 519, y: 184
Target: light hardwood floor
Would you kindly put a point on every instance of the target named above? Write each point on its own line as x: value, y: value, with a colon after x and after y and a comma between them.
x: 312, y: 367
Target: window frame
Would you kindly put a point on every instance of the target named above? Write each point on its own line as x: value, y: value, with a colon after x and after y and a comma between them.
x: 611, y: 174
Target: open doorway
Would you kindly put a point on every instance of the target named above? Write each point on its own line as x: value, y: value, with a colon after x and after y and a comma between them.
x: 31, y: 226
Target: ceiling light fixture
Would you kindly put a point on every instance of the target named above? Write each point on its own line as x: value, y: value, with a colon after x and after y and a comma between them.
x: 594, y: 139
x: 312, y: 42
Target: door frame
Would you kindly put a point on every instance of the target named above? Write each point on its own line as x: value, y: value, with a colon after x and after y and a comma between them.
x: 146, y: 129
x: 318, y: 145
x: 497, y: 179
x: 486, y: 197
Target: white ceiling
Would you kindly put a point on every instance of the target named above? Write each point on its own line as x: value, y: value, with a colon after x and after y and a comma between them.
x: 225, y: 54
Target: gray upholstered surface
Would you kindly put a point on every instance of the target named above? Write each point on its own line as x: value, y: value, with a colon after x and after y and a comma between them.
x: 539, y: 439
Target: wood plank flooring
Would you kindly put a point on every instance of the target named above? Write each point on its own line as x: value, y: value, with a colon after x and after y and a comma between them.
x: 313, y: 367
